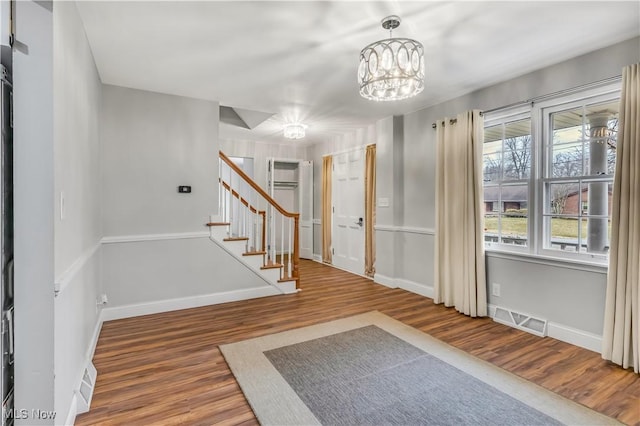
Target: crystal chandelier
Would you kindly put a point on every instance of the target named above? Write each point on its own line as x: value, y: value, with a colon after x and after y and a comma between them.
x: 391, y: 69
x: 294, y: 131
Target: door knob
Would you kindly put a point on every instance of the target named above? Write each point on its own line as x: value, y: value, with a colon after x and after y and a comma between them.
x: 360, y: 222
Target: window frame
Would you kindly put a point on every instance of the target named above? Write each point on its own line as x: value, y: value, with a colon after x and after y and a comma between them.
x: 545, y: 110
x: 541, y: 136
x: 504, y: 117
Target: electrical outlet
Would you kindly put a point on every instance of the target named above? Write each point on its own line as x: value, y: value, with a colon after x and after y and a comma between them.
x: 101, y: 301
x: 495, y: 289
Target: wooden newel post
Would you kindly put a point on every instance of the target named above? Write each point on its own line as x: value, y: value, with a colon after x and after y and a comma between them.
x: 295, y: 273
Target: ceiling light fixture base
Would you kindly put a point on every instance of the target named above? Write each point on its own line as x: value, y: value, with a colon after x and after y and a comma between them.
x: 391, y: 22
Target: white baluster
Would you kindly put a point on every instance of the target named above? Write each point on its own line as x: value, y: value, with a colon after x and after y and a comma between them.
x: 247, y: 225
x: 231, y: 197
x: 245, y: 221
x: 224, y: 202
x: 254, y: 228
x: 227, y: 200
x: 273, y: 235
x: 261, y: 224
x: 281, y: 243
x: 289, y: 251
x: 269, y: 224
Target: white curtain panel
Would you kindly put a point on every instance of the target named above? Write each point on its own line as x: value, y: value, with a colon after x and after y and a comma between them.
x: 459, y: 267
x: 621, y: 337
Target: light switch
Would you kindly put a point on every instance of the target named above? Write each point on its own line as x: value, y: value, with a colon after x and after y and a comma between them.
x: 63, y: 207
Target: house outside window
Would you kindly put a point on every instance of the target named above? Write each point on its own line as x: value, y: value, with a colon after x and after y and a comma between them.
x: 548, y: 175
x: 507, y: 170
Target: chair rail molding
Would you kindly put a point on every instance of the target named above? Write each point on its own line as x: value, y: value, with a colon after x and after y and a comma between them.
x: 154, y: 237
x: 67, y: 276
x: 405, y: 229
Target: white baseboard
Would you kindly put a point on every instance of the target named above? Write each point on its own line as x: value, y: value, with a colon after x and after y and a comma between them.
x: 73, y: 408
x: 148, y: 308
x: 581, y: 338
x: 317, y: 258
x: 73, y: 411
x: 414, y: 287
x: 119, y: 312
x: 576, y: 337
x: 94, y: 337
x: 351, y: 272
x: 384, y: 280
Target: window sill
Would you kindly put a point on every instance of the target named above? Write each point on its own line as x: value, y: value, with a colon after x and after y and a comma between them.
x: 559, y: 262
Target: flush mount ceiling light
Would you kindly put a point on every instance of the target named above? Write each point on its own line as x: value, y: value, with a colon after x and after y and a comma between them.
x: 391, y: 69
x: 294, y: 131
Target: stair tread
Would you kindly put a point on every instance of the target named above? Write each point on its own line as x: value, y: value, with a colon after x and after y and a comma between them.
x: 218, y: 224
x: 287, y: 279
x: 236, y: 239
x: 254, y: 253
x: 272, y: 266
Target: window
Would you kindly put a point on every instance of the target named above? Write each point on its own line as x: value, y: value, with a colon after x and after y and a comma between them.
x: 548, y: 175
x: 580, y: 145
x: 507, y: 171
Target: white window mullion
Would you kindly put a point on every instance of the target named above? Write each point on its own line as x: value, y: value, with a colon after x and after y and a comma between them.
x: 535, y: 190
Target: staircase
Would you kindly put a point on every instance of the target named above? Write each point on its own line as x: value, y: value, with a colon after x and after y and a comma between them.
x: 255, y: 229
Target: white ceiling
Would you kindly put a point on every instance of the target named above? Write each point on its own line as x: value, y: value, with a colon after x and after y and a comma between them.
x: 298, y: 59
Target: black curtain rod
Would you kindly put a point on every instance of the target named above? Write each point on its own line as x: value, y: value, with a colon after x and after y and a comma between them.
x: 451, y: 121
x: 532, y: 101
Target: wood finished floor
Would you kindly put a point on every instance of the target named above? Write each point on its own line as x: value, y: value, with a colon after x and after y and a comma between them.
x: 167, y: 369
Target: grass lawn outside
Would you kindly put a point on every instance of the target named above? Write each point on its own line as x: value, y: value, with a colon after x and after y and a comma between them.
x: 517, y: 227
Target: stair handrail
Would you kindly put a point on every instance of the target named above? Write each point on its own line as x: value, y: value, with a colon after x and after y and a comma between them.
x: 251, y: 208
x: 295, y: 273
x: 257, y: 187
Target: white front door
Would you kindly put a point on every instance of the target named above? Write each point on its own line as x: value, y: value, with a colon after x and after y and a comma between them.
x: 348, y: 211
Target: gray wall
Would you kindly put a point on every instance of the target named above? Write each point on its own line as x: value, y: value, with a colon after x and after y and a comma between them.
x: 57, y: 100
x: 76, y: 138
x: 156, y: 245
x: 33, y: 200
x: 77, y: 99
x: 389, y: 150
x: 139, y: 272
x: 556, y: 287
x: 151, y: 143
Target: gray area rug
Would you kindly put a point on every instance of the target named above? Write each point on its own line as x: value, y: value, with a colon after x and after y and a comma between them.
x: 368, y: 376
x: 370, y: 369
